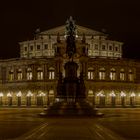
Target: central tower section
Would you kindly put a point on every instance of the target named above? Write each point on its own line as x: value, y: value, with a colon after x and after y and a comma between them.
x: 71, y: 87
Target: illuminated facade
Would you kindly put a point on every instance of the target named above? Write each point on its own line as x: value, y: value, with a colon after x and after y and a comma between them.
x: 31, y: 80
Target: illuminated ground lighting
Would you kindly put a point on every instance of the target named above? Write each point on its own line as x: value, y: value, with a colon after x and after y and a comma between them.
x: 100, y: 94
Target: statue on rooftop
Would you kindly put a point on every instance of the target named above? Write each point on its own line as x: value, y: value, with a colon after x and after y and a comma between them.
x: 70, y: 37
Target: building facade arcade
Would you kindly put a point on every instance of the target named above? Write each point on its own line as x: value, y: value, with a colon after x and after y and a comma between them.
x: 31, y: 80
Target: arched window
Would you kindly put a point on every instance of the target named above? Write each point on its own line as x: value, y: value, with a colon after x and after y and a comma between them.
x: 29, y: 74
x: 51, y: 73
x: 102, y: 73
x: 122, y: 75
x: 51, y: 92
x: 19, y: 74
x: 39, y: 74
x: 90, y: 93
x: 90, y: 73
x: 112, y: 74
x: 11, y: 75
x: 130, y: 75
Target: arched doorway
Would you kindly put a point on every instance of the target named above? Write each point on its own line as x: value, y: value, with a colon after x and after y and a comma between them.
x: 132, y: 99
x: 113, y: 98
x: 101, y: 98
x: 29, y: 96
x: 40, y: 96
x: 1, y: 96
x: 9, y: 96
x: 19, y: 94
x: 123, y: 95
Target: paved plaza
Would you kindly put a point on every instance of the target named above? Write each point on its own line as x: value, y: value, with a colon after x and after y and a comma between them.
x: 26, y: 124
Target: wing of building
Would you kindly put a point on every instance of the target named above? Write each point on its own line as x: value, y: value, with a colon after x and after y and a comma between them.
x: 32, y: 79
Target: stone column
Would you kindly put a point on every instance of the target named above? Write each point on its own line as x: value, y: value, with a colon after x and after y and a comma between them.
x: 107, y: 72
x: 15, y: 73
x: 25, y: 72
x: 45, y: 72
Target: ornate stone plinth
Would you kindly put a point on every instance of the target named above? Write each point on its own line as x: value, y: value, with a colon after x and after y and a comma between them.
x: 68, y: 109
x: 71, y: 87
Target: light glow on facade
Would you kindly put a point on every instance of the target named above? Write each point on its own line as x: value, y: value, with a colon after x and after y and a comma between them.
x: 100, y: 94
x: 41, y: 94
x: 132, y: 94
x: 9, y: 95
x: 29, y: 94
x: 19, y: 94
x: 123, y: 94
x: 112, y: 94
x: 1, y: 94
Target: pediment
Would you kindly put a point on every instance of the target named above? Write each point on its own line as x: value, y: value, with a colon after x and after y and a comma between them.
x: 80, y: 31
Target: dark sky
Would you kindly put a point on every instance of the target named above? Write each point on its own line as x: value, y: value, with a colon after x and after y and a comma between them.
x: 20, y: 19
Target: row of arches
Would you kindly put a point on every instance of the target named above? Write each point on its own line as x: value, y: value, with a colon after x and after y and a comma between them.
x: 40, y: 98
x: 114, y: 99
x: 26, y: 98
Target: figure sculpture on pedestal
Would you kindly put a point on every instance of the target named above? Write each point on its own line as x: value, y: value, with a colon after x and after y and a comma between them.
x: 70, y: 37
x: 73, y: 87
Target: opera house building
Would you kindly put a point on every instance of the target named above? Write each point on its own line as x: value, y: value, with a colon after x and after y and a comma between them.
x: 32, y: 79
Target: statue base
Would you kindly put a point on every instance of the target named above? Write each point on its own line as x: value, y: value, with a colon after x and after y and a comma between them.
x: 68, y: 109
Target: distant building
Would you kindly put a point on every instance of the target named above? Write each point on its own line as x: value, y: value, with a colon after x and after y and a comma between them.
x: 31, y: 80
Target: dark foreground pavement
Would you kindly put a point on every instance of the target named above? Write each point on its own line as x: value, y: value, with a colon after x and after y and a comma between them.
x: 25, y: 124
x: 71, y: 129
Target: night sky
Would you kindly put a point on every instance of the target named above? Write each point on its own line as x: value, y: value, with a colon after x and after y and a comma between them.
x: 20, y: 19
